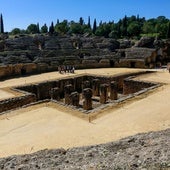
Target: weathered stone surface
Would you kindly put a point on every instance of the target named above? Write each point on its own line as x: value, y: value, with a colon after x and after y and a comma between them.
x: 149, y: 151
x: 113, y: 90
x: 87, y: 95
x: 96, y: 87
x: 55, y: 93
x: 68, y: 89
x: 82, y: 52
x: 132, y: 86
x: 75, y: 98
x: 86, y: 84
x: 16, y: 102
x: 103, y: 93
x: 145, y: 42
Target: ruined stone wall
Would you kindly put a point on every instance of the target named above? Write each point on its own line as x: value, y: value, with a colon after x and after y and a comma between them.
x: 132, y: 86
x: 16, y: 102
x: 39, y: 53
x: 18, y: 69
x: 128, y: 63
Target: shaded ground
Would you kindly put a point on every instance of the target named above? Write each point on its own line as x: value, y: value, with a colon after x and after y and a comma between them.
x: 144, y: 151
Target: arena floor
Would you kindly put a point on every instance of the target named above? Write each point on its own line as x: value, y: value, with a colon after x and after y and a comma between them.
x: 53, y: 126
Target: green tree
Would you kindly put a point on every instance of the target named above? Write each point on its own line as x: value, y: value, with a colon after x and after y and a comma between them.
x: 94, y: 26
x: 51, y: 29
x: 16, y: 31
x: 124, y: 26
x: 161, y: 26
x: 168, y: 31
x: 75, y: 28
x: 133, y: 29
x: 1, y: 24
x: 38, y: 28
x: 62, y: 27
x: 104, y: 29
x: 89, y: 24
x: 81, y: 21
x: 148, y: 28
x: 44, y: 29
x: 32, y: 29
x: 161, y: 29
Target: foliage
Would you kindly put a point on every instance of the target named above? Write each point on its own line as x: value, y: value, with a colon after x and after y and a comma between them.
x: 168, y: 31
x: 94, y: 26
x: 62, y: 27
x: 44, y: 29
x: 127, y: 27
x: 1, y: 24
x: 51, y: 29
x: 38, y: 28
x: 32, y: 29
x: 104, y: 29
x: 16, y: 31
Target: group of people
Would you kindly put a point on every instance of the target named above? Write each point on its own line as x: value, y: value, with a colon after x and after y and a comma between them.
x: 66, y: 69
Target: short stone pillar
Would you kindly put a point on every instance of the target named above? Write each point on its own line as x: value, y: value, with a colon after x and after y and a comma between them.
x: 74, y: 98
x: 96, y: 87
x: 86, y: 84
x: 68, y: 89
x: 55, y: 93
x: 113, y: 90
x: 103, y: 93
x: 87, y: 103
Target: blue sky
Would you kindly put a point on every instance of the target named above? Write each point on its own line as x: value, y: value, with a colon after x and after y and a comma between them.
x: 21, y: 13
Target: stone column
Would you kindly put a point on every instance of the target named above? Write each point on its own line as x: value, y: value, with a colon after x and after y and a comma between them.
x: 86, y: 84
x: 113, y: 90
x: 74, y: 97
x: 55, y: 93
x: 87, y: 103
x: 103, y: 93
x: 68, y: 89
x: 96, y: 87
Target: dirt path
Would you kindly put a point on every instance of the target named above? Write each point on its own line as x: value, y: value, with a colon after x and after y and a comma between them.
x: 40, y: 127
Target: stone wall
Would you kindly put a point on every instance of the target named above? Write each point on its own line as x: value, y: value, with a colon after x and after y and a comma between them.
x: 131, y: 63
x: 16, y: 102
x: 131, y: 86
x: 39, y: 53
x: 18, y: 69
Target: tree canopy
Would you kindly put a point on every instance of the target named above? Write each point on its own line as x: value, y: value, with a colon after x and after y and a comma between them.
x: 127, y: 27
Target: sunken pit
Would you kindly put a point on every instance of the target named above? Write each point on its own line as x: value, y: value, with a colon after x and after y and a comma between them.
x: 87, y: 93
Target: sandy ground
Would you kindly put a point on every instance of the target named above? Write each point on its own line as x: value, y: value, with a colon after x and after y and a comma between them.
x: 4, y: 94
x: 56, y: 75
x: 43, y: 126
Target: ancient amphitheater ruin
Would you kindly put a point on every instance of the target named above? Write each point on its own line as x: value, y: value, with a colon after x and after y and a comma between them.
x: 119, y: 92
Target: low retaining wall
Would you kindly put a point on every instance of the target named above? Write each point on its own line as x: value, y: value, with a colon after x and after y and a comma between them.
x: 133, y: 86
x: 16, y: 102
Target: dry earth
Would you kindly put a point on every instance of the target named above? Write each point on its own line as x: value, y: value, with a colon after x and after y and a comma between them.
x: 47, y: 126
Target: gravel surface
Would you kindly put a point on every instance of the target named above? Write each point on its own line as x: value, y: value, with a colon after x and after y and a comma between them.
x: 147, y: 151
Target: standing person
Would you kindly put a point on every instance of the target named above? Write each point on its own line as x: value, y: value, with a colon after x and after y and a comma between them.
x: 73, y: 69
x: 67, y: 68
x: 64, y: 69
x: 168, y: 67
x: 59, y: 69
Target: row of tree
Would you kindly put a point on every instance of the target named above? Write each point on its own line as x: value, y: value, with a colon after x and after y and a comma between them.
x: 129, y: 27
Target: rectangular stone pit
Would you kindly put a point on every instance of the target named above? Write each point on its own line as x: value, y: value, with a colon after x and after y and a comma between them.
x: 72, y: 92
